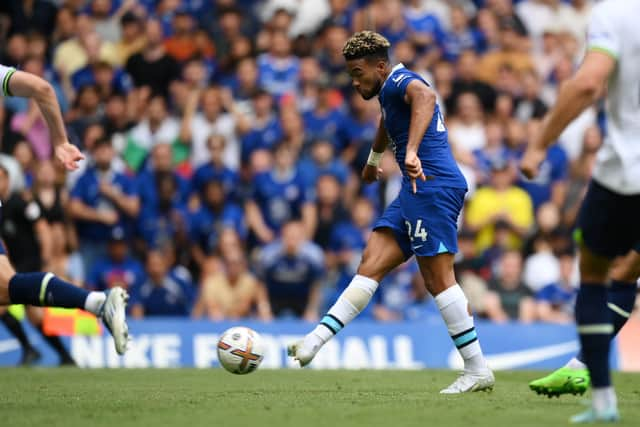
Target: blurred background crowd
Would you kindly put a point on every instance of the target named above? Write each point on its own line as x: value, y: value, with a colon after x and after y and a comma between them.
x: 224, y: 146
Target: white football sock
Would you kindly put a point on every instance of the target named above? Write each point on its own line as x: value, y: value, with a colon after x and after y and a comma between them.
x: 604, y: 398
x: 94, y: 302
x: 453, y: 307
x: 350, y: 303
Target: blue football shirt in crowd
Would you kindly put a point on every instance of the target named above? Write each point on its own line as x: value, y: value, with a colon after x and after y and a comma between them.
x: 280, y: 198
x: 206, y: 225
x: 552, y: 170
x: 87, y: 190
x: 289, y: 278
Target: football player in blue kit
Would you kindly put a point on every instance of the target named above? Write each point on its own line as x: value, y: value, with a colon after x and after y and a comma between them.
x: 45, y: 289
x: 421, y: 221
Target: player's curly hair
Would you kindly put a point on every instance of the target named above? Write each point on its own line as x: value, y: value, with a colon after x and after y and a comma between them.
x: 366, y: 44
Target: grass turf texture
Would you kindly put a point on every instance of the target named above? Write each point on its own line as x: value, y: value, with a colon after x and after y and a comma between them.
x: 301, y: 398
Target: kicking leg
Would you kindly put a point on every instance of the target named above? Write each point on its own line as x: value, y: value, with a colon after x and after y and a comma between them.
x: 441, y: 282
x: 45, y: 289
x: 381, y: 255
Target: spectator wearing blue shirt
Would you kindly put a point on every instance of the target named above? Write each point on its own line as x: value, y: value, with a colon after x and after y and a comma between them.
x: 278, y: 69
x: 324, y: 120
x: 213, y: 215
x: 358, y: 131
x: 101, y: 199
x: 348, y: 239
x: 330, y: 208
x: 279, y: 196
x: 166, y: 221
x: 461, y: 37
x: 424, y: 28
x: 265, y: 131
x: 323, y: 161
x: 162, y: 293
x: 117, y: 268
x: 107, y: 78
x: 160, y: 162
x: 494, y: 149
x: 215, y: 170
x: 555, y: 302
x: 291, y: 269
x: 551, y: 182
x: 331, y: 58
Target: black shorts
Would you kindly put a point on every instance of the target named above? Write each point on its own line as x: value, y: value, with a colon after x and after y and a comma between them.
x: 609, y: 223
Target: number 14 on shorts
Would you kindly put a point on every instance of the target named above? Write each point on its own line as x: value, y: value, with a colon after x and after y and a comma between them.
x: 419, y: 231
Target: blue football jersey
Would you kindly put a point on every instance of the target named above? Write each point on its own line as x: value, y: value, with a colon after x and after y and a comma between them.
x: 434, y: 151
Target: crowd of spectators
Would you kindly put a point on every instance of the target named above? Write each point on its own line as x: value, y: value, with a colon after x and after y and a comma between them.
x: 224, y: 146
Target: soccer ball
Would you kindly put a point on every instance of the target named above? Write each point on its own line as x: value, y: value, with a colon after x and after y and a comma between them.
x: 240, y: 350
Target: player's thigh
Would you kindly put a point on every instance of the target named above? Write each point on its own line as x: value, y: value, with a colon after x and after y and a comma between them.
x: 608, y: 225
x: 382, y: 254
x: 6, y: 273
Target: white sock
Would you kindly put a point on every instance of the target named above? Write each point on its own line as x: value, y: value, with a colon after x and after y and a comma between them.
x: 604, y: 398
x: 453, y: 307
x: 574, y: 363
x: 94, y: 302
x: 350, y: 303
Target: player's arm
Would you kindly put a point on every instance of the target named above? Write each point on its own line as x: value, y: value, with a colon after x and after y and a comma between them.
x: 575, y: 95
x: 371, y: 170
x: 423, y: 103
x: 19, y: 83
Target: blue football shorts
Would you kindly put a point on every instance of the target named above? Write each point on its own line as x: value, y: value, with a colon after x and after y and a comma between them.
x: 425, y: 223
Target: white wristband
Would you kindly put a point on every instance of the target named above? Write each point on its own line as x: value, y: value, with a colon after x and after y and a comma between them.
x: 374, y: 158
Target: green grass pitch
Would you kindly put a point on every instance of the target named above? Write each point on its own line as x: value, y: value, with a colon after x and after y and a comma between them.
x: 301, y: 398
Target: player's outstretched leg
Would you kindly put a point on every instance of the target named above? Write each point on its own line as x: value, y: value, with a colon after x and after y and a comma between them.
x: 45, y: 289
x: 573, y: 378
x: 381, y: 255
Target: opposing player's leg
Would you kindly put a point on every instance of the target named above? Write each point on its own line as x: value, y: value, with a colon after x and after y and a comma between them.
x: 573, y: 378
x: 440, y: 279
x: 29, y: 354
x: 36, y: 318
x: 45, y: 289
x: 381, y: 255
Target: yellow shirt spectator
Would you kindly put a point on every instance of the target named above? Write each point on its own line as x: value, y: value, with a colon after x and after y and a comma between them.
x: 501, y: 201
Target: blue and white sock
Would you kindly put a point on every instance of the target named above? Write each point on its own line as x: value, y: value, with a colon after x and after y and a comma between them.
x: 595, y: 328
x: 350, y: 303
x: 454, y: 308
